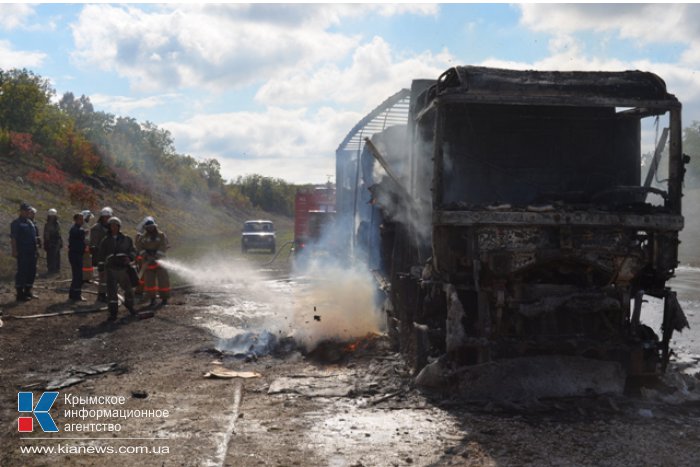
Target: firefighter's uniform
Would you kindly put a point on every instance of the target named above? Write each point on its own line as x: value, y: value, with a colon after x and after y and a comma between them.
x: 53, y: 242
x: 24, y: 248
x: 88, y: 269
x: 139, y: 265
x: 118, y: 252
x: 97, y: 233
x: 152, y: 245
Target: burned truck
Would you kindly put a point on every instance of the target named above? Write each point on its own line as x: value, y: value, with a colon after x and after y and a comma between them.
x: 517, y: 219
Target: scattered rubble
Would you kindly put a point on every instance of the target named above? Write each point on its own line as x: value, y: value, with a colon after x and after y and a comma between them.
x: 72, y: 376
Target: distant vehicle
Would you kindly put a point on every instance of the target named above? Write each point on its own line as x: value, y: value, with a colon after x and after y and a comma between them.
x: 258, y: 234
x: 314, y: 214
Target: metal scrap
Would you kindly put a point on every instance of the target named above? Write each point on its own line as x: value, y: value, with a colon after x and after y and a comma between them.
x: 78, y: 375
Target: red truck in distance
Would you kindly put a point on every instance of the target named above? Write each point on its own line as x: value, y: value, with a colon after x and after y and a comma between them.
x: 314, y: 213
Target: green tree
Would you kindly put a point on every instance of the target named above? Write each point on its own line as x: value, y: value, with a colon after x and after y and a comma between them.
x: 24, y: 96
x: 211, y: 171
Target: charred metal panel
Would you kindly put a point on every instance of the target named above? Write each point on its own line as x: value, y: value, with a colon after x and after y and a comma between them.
x: 577, y: 88
x: 516, y: 154
x: 669, y: 222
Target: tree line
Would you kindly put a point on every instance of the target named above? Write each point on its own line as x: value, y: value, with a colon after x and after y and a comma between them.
x: 72, y: 140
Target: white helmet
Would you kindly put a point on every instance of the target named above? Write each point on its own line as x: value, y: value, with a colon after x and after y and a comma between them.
x: 147, y: 221
x: 86, y: 215
x: 106, y: 211
x: 114, y: 220
x: 53, y: 212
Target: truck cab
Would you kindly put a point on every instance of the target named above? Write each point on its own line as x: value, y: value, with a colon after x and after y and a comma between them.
x: 533, y: 229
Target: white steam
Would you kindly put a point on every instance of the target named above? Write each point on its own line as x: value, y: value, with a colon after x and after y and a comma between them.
x: 336, y: 303
x: 327, y: 302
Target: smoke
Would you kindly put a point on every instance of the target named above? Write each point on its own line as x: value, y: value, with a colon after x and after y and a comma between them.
x: 406, y: 200
x: 689, y: 250
x: 324, y: 300
x: 334, y: 303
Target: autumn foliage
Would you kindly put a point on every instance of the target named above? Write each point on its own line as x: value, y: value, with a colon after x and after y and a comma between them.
x: 16, y: 145
x: 78, y: 154
x: 82, y: 195
x: 51, y: 175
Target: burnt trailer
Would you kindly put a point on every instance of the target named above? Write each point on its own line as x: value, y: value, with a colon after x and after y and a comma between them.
x: 519, y: 221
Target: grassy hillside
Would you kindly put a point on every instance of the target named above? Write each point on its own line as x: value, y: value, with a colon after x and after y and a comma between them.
x: 195, y: 228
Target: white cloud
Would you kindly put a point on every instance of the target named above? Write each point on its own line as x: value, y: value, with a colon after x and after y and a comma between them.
x: 10, y: 58
x: 213, y: 46
x: 646, y: 22
x: 124, y: 105
x: 296, y: 145
x: 643, y: 23
x: 288, y: 47
x: 14, y: 15
x: 374, y: 74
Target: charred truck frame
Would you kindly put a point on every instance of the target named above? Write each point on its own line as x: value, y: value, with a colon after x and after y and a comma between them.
x: 540, y: 238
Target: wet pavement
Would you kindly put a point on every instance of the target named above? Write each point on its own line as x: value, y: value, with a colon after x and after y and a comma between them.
x: 685, y: 344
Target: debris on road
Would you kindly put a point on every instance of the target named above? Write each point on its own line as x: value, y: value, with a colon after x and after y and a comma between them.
x: 225, y: 373
x: 339, y: 385
x: 139, y: 394
x: 77, y: 375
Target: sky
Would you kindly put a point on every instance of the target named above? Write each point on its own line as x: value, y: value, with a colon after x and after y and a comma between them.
x: 273, y: 89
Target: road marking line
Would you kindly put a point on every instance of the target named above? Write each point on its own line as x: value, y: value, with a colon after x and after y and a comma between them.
x: 222, y: 448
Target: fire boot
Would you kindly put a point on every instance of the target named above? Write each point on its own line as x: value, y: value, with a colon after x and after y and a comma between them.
x: 21, y: 297
x: 113, y: 307
x: 29, y: 294
x: 163, y: 302
x: 130, y: 307
x: 152, y: 303
x: 102, y: 297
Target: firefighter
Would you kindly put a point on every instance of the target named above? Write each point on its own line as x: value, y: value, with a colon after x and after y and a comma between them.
x: 152, y: 245
x: 24, y: 248
x: 53, y: 242
x: 139, y: 257
x: 117, y: 252
x: 76, y: 252
x: 32, y: 215
x: 88, y: 270
x: 98, y: 232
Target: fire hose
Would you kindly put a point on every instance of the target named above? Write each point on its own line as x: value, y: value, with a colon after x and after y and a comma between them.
x: 279, y: 250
